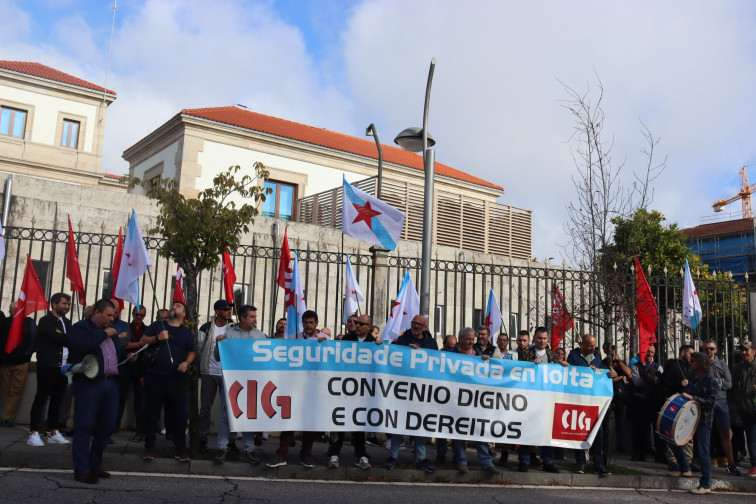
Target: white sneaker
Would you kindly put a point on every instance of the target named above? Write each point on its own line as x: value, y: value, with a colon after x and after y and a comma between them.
x: 364, y: 463
x: 334, y: 462
x: 34, y: 440
x: 57, y: 439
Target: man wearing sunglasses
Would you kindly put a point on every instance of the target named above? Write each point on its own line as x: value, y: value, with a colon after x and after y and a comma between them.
x: 721, y: 410
x: 211, y: 373
x: 363, y: 325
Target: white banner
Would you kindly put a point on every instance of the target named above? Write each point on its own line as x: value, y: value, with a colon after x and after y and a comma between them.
x: 283, y: 385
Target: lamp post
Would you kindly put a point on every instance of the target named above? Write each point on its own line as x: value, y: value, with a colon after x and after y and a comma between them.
x: 414, y: 140
x: 371, y: 131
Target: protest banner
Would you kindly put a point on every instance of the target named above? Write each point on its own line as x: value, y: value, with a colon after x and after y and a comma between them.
x: 281, y: 385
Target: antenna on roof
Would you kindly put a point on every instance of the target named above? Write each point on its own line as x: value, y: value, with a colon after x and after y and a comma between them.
x: 107, y: 66
x: 240, y: 105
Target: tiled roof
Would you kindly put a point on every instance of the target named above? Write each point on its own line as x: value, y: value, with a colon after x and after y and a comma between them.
x: 719, y: 228
x: 40, y: 70
x: 317, y: 136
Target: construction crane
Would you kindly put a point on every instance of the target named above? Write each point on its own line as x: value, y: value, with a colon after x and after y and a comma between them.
x: 744, y: 195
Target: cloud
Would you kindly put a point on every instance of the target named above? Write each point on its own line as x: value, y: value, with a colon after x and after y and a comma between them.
x: 683, y: 68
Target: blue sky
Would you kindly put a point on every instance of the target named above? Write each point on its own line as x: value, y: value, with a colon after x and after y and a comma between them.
x: 684, y: 67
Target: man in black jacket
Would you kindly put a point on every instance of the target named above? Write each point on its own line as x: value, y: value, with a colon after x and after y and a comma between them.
x: 97, y: 397
x: 52, y: 353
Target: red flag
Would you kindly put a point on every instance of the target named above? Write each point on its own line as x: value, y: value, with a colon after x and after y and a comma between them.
x: 178, y: 288
x: 284, y: 267
x: 561, y: 320
x: 30, y: 299
x: 229, y: 277
x: 117, y: 268
x: 645, y: 309
x: 73, y: 269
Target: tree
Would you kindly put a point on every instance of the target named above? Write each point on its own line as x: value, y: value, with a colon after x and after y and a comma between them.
x: 602, y: 194
x: 660, y: 248
x: 197, y: 230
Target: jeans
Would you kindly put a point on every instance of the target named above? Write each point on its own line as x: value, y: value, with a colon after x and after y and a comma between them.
x: 547, y: 452
x: 396, y: 442
x: 209, y: 386
x: 701, y: 446
x: 597, y: 450
x: 224, y: 431
x: 460, y: 456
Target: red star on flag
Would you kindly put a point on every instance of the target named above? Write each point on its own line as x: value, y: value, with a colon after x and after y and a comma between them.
x: 392, y: 308
x: 366, y: 214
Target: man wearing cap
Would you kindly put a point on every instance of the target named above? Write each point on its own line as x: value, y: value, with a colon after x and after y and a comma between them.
x: 211, y: 373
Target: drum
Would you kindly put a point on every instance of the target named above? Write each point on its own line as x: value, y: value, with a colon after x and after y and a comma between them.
x: 678, y: 420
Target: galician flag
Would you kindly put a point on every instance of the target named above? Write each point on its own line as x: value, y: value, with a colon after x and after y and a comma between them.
x: 353, y: 297
x: 691, y: 306
x: 406, y: 306
x: 295, y: 304
x: 493, y: 314
x: 135, y: 262
x: 367, y: 218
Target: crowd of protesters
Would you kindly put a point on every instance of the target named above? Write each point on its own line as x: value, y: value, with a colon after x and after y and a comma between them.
x: 152, y: 360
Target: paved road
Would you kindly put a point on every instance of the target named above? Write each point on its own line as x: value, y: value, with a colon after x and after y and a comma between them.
x: 30, y: 486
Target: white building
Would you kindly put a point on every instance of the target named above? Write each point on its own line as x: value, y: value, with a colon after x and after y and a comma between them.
x: 52, y: 124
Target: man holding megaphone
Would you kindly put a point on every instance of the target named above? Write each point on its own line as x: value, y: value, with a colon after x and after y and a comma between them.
x: 95, y: 392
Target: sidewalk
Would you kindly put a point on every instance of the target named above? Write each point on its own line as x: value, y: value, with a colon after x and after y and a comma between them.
x: 123, y: 455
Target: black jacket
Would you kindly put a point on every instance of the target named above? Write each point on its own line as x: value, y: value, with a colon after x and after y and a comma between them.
x: 85, y: 339
x: 23, y: 352
x: 352, y: 336
x: 51, y: 339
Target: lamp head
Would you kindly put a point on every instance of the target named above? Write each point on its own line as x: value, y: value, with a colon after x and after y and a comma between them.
x: 411, y: 139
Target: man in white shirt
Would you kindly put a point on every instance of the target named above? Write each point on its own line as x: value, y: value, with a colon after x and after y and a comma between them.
x: 211, y: 373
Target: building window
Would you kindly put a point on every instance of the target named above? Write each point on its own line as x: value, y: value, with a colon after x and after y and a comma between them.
x: 107, y: 285
x: 70, y: 136
x: 12, y: 122
x: 42, y: 268
x: 281, y: 202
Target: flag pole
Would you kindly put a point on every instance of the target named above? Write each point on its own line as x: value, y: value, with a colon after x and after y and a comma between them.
x: 154, y: 302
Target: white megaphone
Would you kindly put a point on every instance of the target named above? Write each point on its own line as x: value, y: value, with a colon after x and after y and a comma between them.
x: 88, y: 367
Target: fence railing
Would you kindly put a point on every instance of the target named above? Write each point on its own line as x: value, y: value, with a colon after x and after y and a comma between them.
x: 459, y: 289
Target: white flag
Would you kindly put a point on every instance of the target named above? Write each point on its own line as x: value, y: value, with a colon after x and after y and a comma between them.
x: 295, y: 304
x: 691, y: 312
x: 353, y: 297
x: 406, y: 306
x: 135, y: 262
x: 493, y: 315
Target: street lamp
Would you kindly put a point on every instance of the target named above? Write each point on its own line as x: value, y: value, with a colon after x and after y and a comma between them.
x: 371, y: 131
x: 413, y: 140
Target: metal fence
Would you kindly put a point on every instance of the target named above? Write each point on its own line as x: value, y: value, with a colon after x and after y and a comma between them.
x: 459, y: 289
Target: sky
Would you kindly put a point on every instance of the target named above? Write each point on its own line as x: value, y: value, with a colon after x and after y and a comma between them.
x: 685, y: 68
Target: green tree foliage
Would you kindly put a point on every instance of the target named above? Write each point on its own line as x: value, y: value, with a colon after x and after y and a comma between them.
x: 658, y: 247
x: 197, y: 231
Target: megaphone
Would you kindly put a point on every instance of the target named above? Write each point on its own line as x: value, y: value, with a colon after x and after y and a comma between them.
x: 88, y: 367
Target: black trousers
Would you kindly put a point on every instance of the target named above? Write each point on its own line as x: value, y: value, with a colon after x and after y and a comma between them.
x: 337, y: 441
x: 168, y: 392
x: 50, y: 383
x: 128, y: 377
